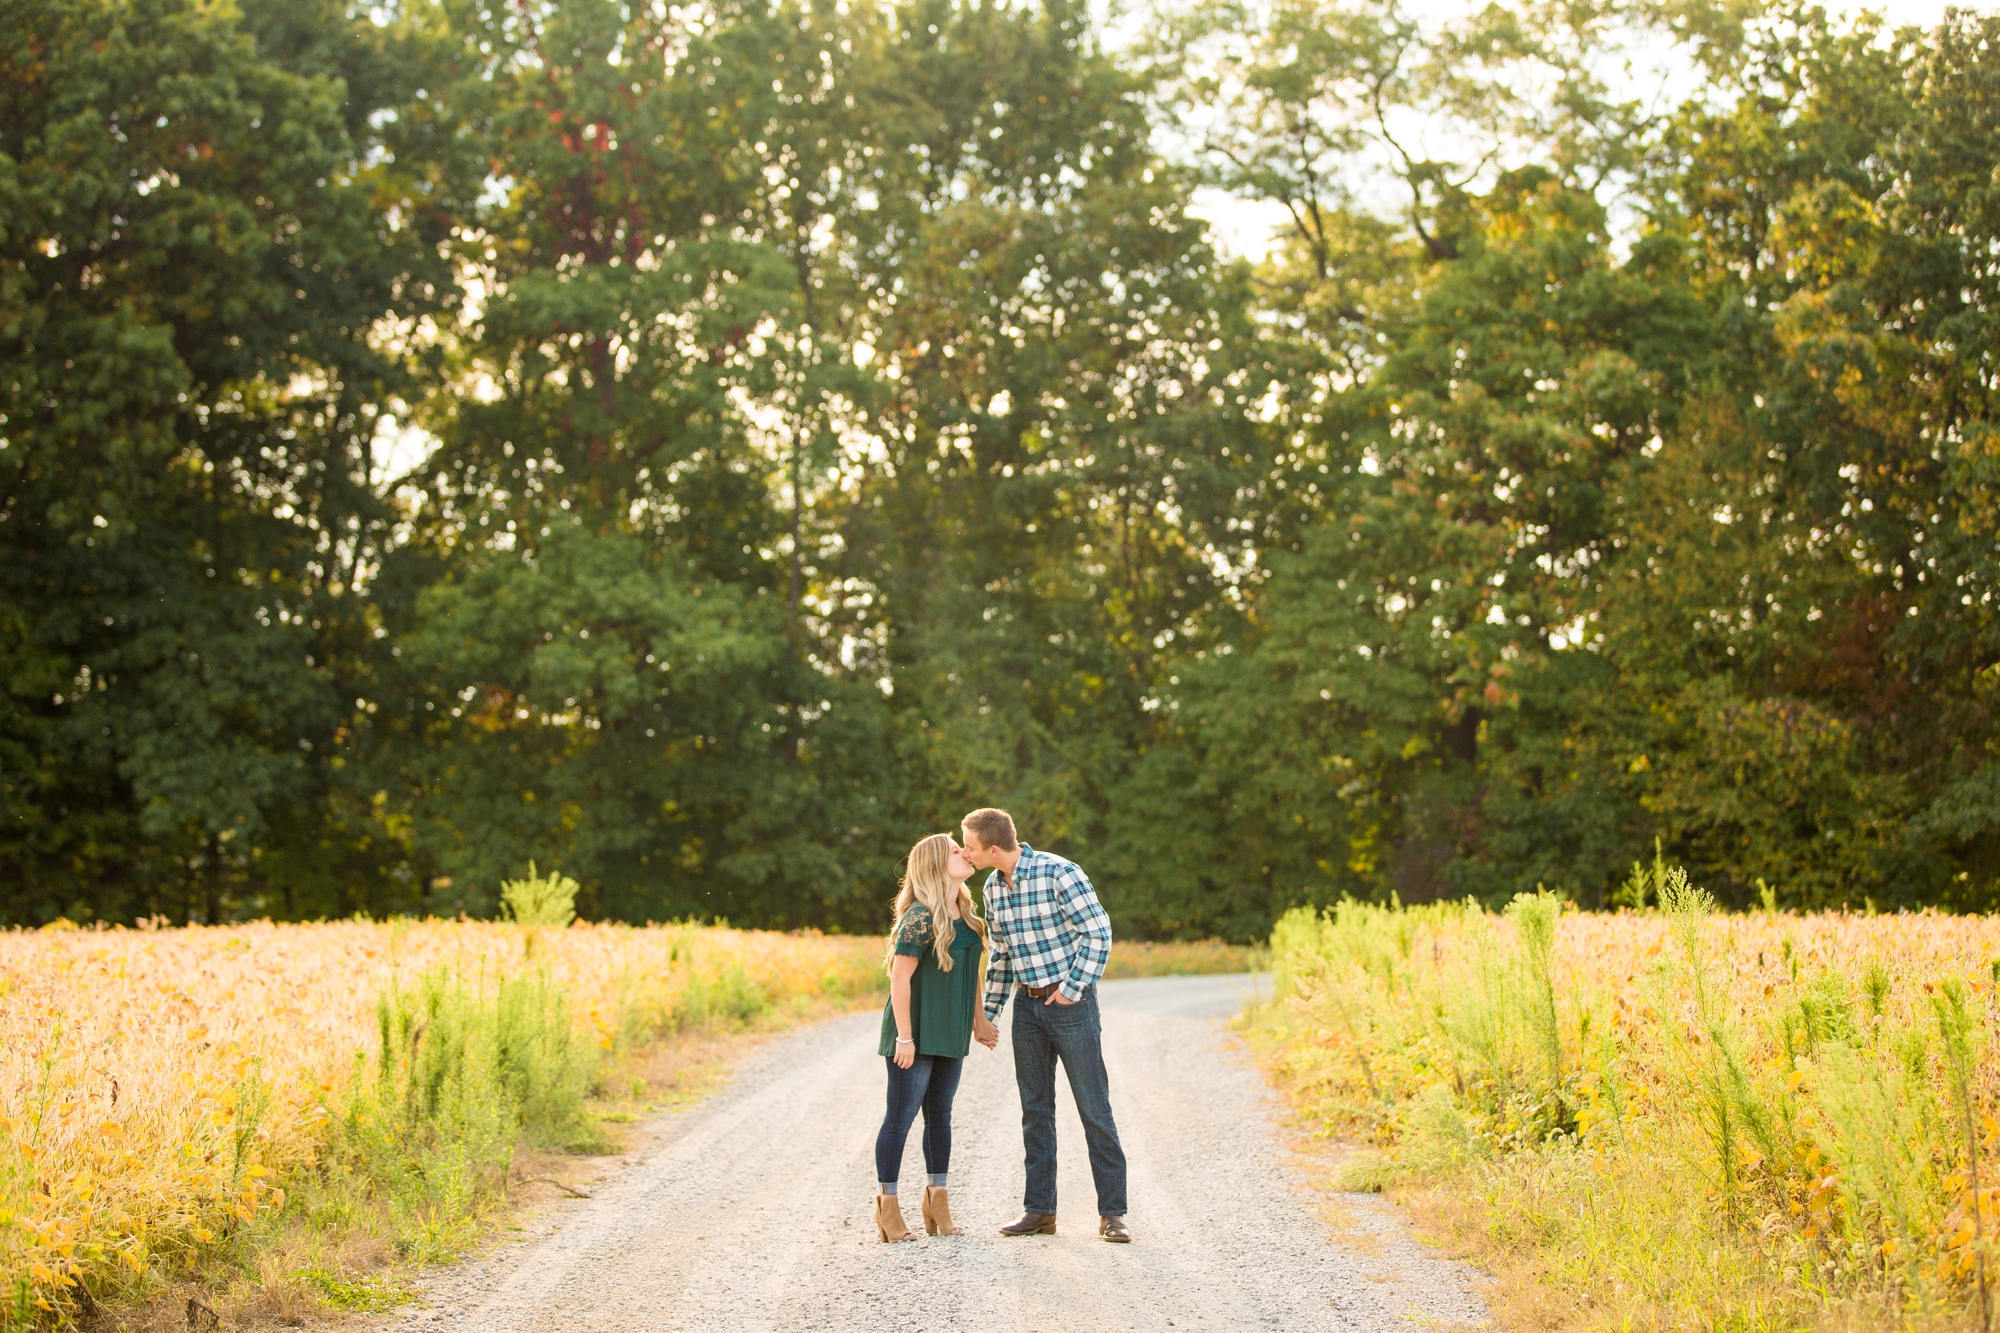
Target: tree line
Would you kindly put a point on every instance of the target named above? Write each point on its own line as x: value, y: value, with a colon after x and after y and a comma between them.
x: 705, y: 447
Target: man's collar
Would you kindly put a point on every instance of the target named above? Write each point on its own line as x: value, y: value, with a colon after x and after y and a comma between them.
x: 1007, y: 877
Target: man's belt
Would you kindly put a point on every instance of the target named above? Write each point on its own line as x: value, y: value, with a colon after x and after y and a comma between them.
x: 1040, y: 992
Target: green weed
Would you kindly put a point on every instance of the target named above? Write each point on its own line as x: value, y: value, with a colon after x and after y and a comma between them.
x: 358, y: 1294
x: 1686, y: 1119
x: 465, y: 1071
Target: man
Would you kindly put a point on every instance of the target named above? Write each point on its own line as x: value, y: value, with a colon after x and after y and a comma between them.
x: 1049, y: 938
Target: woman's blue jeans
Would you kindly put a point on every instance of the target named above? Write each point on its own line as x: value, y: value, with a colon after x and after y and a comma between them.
x: 928, y: 1085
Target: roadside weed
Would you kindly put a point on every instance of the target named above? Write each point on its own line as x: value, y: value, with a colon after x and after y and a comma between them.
x: 1673, y: 1117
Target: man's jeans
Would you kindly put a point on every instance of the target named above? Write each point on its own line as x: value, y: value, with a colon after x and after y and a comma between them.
x: 1043, y: 1034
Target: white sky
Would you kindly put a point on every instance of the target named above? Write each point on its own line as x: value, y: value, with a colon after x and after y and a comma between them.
x: 1925, y: 12
x: 1244, y: 227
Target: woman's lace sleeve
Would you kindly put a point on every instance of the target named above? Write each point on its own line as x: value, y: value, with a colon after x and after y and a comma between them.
x: 913, y: 932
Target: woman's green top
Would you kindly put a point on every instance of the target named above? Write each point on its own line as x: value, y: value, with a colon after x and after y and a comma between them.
x: 941, y: 1003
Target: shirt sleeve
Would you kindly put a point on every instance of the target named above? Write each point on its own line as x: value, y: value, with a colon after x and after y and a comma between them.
x: 913, y: 933
x: 999, y: 967
x: 1086, y: 917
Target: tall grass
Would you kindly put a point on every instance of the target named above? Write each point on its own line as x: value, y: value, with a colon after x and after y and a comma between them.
x: 1181, y: 958
x: 1677, y: 1118
x: 463, y: 1072
x: 165, y: 1094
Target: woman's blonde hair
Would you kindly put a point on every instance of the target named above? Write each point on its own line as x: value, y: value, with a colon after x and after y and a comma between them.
x: 925, y: 882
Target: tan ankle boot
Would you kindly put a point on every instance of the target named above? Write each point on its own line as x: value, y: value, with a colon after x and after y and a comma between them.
x: 937, y: 1212
x: 889, y: 1219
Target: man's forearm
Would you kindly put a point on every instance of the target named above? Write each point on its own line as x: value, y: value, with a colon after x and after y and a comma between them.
x: 1086, y: 965
x: 999, y: 980
x: 998, y: 983
x: 1092, y: 950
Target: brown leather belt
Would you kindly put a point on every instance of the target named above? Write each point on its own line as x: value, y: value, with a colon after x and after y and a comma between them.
x: 1040, y: 992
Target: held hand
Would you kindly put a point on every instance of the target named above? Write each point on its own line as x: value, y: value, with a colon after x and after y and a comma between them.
x: 984, y: 1032
x: 906, y: 1055
x: 1056, y: 997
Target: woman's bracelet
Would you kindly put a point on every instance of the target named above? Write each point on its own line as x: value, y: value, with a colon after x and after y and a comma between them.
x: 906, y: 1041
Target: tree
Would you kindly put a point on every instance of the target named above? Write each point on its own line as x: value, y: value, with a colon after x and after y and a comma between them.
x: 883, y: 328
x: 204, y: 233
x: 811, y: 420
x: 1685, y: 545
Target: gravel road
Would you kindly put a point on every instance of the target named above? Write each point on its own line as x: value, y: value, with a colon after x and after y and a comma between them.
x: 752, y: 1211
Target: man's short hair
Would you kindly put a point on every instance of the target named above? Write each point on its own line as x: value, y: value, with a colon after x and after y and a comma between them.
x: 993, y: 828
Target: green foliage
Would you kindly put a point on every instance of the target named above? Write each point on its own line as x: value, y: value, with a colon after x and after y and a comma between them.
x: 1646, y: 884
x: 1689, y: 1139
x: 539, y: 900
x: 1488, y: 1024
x: 437, y: 435
x: 1534, y: 917
x: 358, y: 1294
x: 1612, y: 543
x: 729, y: 996
x: 467, y: 1069
x: 209, y: 215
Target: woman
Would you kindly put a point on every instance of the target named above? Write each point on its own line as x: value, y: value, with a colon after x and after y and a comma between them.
x: 933, y: 1011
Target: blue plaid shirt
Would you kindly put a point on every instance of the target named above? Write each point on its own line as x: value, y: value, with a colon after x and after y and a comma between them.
x: 1047, y: 927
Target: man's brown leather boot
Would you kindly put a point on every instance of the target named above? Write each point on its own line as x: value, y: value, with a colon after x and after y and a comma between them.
x: 1031, y: 1224
x: 1113, y: 1230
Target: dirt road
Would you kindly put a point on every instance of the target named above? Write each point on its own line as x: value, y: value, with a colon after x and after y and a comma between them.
x: 753, y: 1212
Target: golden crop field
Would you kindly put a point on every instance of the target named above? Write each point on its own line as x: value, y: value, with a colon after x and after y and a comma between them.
x: 159, y: 1088
x: 1669, y: 1118
x: 1175, y: 958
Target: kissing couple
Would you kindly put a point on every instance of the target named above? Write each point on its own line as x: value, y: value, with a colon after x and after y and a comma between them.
x: 1047, y: 940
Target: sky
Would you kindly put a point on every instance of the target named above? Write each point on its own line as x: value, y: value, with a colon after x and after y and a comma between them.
x: 1245, y: 227
x: 1924, y: 12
